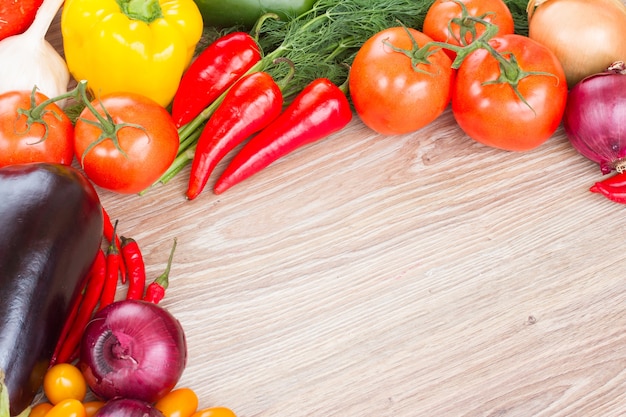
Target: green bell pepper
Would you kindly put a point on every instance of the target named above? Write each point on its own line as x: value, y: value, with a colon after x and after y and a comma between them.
x: 228, y: 13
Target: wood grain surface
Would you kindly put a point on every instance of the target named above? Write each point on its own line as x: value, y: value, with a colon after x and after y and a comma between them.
x: 414, y: 275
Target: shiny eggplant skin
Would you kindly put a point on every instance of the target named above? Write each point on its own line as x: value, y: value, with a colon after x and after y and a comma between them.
x: 51, y: 222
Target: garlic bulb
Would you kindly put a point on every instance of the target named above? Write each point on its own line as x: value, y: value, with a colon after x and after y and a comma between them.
x: 28, y: 60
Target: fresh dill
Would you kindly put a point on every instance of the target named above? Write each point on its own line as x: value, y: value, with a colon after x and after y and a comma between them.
x: 323, y: 41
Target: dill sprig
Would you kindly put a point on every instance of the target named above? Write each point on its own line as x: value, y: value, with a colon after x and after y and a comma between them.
x: 323, y: 41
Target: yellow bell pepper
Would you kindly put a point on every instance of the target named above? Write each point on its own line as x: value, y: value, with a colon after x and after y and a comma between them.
x: 137, y: 46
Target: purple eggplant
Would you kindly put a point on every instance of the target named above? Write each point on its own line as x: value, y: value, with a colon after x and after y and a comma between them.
x: 51, y: 222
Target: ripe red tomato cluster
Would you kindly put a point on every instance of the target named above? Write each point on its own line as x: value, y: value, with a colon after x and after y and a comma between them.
x: 124, y: 142
x: 510, y: 96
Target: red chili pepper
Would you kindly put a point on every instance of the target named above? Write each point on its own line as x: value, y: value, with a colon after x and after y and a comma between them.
x: 156, y: 290
x: 618, y: 180
x: 320, y: 109
x: 112, y: 273
x: 90, y: 299
x: 109, y: 234
x: 71, y: 317
x: 133, y: 259
x: 214, y: 70
x: 249, y: 106
x: 616, y: 194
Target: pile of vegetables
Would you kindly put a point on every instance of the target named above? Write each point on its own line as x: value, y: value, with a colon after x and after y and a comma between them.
x: 151, y: 99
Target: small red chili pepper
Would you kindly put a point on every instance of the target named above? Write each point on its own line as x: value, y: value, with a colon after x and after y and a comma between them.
x: 617, y: 181
x: 214, y: 70
x: 616, y: 194
x: 156, y: 290
x: 97, y: 275
x: 109, y: 234
x: 249, y: 106
x: 112, y: 273
x: 320, y: 109
x: 133, y: 259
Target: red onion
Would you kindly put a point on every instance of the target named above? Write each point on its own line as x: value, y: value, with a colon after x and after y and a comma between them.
x: 133, y: 349
x: 595, y: 118
x: 125, y: 407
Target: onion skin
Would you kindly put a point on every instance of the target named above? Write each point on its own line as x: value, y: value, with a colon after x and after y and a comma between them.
x: 133, y: 349
x: 586, y: 35
x: 595, y: 118
x: 125, y: 407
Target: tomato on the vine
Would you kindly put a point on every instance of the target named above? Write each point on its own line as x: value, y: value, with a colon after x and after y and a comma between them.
x: 130, y: 151
x: 396, y: 86
x: 43, y: 137
x: 515, y: 108
x: 452, y: 21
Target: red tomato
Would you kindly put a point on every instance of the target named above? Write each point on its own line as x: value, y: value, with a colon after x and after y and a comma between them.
x: 134, y: 156
x: 393, y: 95
x: 17, y: 16
x: 491, y: 112
x: 446, y: 22
x: 20, y: 143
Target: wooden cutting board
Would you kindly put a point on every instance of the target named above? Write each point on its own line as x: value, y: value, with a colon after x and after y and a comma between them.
x: 414, y: 275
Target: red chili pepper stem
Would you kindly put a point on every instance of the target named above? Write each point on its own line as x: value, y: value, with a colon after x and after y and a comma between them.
x: 156, y: 290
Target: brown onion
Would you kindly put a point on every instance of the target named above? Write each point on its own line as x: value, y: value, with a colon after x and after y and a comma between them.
x: 586, y: 35
x: 595, y: 118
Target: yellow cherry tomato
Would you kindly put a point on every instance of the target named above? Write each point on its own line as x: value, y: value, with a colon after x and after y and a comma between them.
x: 40, y: 410
x: 180, y: 402
x: 214, y: 412
x: 64, y: 381
x: 67, y: 408
x: 92, y: 407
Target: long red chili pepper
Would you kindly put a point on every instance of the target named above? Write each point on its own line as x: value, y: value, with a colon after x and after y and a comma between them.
x: 87, y: 307
x: 156, y: 290
x: 71, y: 317
x: 214, y: 70
x: 112, y: 273
x: 320, y: 109
x: 135, y: 266
x: 249, y: 106
x: 110, y: 235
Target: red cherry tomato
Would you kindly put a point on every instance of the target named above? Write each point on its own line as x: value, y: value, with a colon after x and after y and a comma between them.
x: 393, y: 94
x: 21, y: 143
x: 137, y: 154
x: 493, y: 113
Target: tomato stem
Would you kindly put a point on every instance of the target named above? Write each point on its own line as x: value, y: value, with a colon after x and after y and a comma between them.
x: 34, y: 114
x: 108, y: 126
